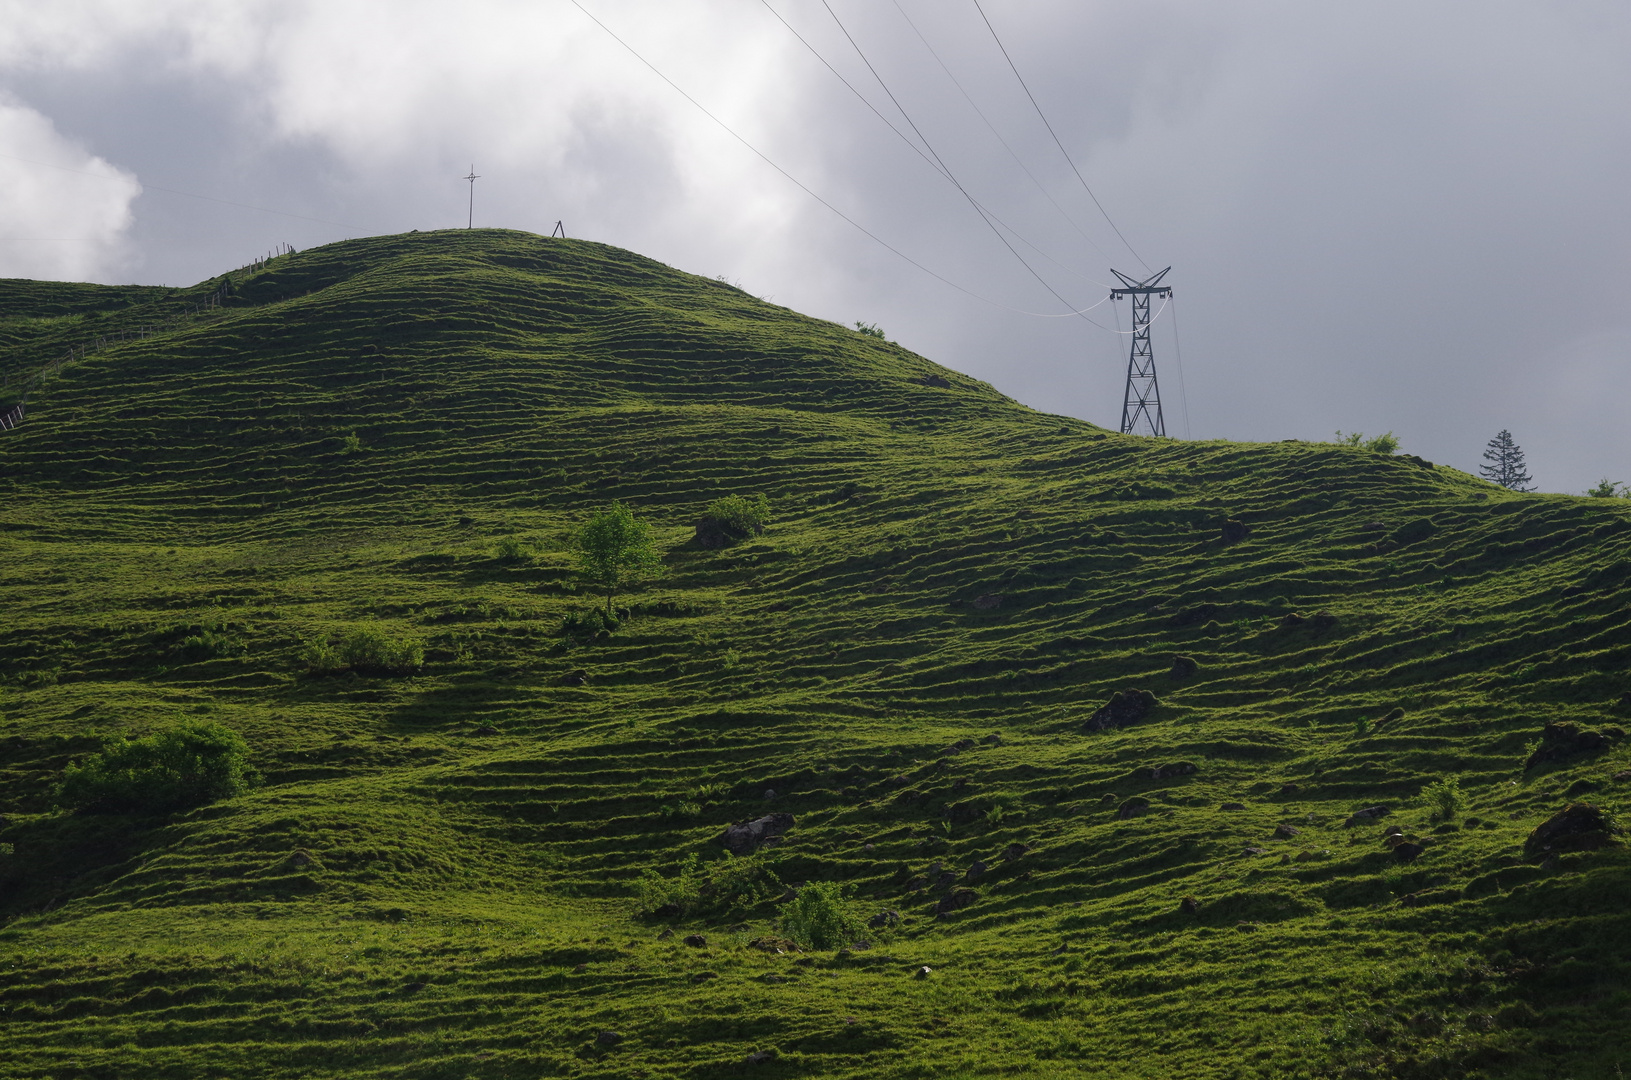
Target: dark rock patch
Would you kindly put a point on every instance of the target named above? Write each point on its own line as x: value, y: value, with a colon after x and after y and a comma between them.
x: 1369, y: 813
x: 955, y: 901
x: 1184, y: 667
x: 1291, y: 620
x: 1561, y: 740
x: 1189, y: 906
x: 696, y: 941
x: 746, y: 837
x: 940, y: 382
x: 884, y: 919
x: 975, y: 871
x: 1233, y: 532
x: 1167, y: 772
x: 987, y: 601
x: 575, y: 678
x: 608, y: 1038
x: 1407, y: 852
x: 759, y: 1057
x: 1124, y: 707
x: 1286, y: 832
x: 1132, y: 808
x: 1014, y: 851
x: 1576, y: 827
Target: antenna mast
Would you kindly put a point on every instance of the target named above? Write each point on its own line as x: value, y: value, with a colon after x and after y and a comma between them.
x: 472, y: 178
x: 1141, y: 405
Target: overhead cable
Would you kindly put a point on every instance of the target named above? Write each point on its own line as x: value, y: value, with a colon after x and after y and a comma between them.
x: 1056, y: 142
x: 978, y: 209
x: 805, y: 188
x: 938, y: 166
x: 1011, y: 152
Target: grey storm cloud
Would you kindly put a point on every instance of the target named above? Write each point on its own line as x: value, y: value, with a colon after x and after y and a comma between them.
x: 1381, y: 216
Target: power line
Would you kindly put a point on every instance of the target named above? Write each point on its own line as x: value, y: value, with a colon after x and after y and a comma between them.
x: 937, y: 166
x: 947, y: 169
x: 998, y: 136
x: 1056, y: 142
x: 802, y: 186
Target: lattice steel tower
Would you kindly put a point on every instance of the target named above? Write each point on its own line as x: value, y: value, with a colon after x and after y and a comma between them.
x: 1142, y: 402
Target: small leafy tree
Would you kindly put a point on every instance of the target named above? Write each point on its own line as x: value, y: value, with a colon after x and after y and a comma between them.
x: 1445, y: 797
x: 186, y: 766
x: 1609, y: 489
x: 1506, y: 466
x: 821, y: 916
x: 614, y: 549
x: 870, y: 330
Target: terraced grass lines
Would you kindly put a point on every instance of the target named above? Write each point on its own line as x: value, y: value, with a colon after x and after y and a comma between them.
x: 436, y: 878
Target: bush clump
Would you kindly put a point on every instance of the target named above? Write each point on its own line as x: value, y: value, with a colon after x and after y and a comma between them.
x: 1445, y: 797
x: 514, y: 549
x: 732, y: 519
x: 367, y: 650
x: 821, y: 916
x: 591, y: 623
x: 186, y: 766
x: 708, y: 888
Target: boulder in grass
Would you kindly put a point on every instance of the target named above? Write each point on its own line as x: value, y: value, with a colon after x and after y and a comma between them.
x: 746, y: 837
x: 1014, y: 851
x: 1132, y: 808
x: 608, y: 1038
x: 759, y: 1057
x: 955, y: 901
x: 1369, y: 813
x: 1563, y: 740
x: 1124, y: 707
x: 1286, y: 832
x: 1576, y: 827
x: 884, y: 920
x: 1176, y: 768
x: 1233, y: 532
x: 1407, y: 852
x: 1184, y: 667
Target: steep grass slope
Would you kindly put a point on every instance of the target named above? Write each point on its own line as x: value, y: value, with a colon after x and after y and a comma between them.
x: 437, y: 878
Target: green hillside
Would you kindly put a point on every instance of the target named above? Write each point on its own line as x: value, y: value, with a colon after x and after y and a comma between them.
x: 439, y: 875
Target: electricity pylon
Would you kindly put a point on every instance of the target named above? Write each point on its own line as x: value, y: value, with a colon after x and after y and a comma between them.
x: 1142, y: 402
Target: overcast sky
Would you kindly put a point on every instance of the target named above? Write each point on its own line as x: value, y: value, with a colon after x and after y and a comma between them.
x: 1380, y: 215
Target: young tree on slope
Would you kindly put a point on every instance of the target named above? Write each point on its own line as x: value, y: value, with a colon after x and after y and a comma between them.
x: 1505, y: 466
x: 614, y: 550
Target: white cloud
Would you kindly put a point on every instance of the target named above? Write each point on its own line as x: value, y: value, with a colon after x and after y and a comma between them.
x: 66, y: 211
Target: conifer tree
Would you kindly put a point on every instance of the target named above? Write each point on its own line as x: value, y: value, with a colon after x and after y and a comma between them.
x: 1505, y: 466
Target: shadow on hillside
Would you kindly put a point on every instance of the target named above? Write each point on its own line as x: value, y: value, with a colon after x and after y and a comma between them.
x: 60, y: 857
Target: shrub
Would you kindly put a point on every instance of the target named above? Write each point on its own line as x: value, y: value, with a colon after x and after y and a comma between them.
x: 1380, y: 444
x: 367, y: 650
x: 513, y: 549
x: 714, y: 887
x: 207, y: 643
x: 1445, y: 797
x: 732, y: 518
x: 821, y: 916
x: 590, y: 623
x: 351, y: 444
x: 871, y: 330
x: 186, y: 766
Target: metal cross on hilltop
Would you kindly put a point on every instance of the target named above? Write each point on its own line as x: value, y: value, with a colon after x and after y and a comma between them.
x: 472, y: 178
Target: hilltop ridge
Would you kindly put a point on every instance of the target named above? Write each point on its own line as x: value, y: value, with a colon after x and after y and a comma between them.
x: 438, y: 877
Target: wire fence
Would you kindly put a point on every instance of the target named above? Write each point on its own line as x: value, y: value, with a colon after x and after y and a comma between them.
x: 12, y: 416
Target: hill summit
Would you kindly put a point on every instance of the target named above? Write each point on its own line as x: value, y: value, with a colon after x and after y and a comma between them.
x: 1010, y: 747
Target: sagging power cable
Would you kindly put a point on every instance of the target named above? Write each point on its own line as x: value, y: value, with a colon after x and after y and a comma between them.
x: 937, y: 166
x: 632, y: 51
x: 946, y: 169
x: 1085, y: 187
x: 1011, y: 152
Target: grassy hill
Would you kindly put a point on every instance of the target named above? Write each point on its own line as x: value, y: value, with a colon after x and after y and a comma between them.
x: 438, y: 877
